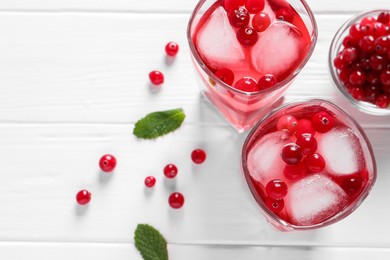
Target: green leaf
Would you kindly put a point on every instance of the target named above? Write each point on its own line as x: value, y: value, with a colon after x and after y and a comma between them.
x: 159, y: 123
x: 150, y: 243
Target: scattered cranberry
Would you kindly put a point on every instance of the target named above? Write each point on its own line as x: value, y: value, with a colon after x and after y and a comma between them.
x: 171, y: 49
x: 291, y: 154
x: 150, y: 181
x: 226, y: 75
x: 276, y: 189
x: 156, y: 77
x: 285, y: 14
x: 176, y: 200
x: 246, y: 84
x: 304, y: 127
x: 107, y: 163
x: 170, y: 171
x: 267, y: 81
x: 198, y: 156
x: 295, y: 172
x: 307, y: 143
x: 231, y: 5
x: 315, y: 162
x: 287, y: 122
x: 247, y: 36
x: 322, y: 122
x: 274, y: 205
x: 255, y: 6
x: 261, y: 21
x: 239, y: 17
x: 83, y: 197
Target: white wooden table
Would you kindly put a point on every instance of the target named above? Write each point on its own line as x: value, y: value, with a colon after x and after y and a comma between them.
x: 73, y: 81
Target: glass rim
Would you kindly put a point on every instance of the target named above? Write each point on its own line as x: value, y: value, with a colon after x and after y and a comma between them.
x: 280, y: 84
x: 340, y: 215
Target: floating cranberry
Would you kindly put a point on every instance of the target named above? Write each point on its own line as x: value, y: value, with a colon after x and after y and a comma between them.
x: 315, y: 162
x: 276, y: 189
x: 307, y: 143
x: 384, y: 17
x: 357, y: 78
x: 267, y: 81
x: 255, y: 6
x: 383, y: 101
x: 156, y: 77
x: 291, y: 154
x: 150, y: 181
x: 287, y: 122
x: 274, y: 205
x: 246, y: 84
x: 198, y: 156
x: 285, y: 14
x: 322, y: 122
x: 304, y: 127
x: 295, y: 172
x: 352, y: 184
x: 171, y: 49
x: 239, y: 17
x: 247, y: 36
x: 261, y: 21
x: 83, y: 197
x: 226, y: 75
x: 170, y: 171
x: 176, y: 200
x: 107, y: 163
x: 231, y: 5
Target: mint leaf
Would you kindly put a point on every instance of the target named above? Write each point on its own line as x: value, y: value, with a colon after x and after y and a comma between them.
x: 159, y: 123
x: 150, y: 243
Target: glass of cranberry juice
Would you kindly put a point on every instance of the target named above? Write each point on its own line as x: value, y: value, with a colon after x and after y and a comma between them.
x: 308, y: 164
x: 247, y: 52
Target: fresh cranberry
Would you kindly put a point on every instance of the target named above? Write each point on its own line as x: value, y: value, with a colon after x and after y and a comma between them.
x: 307, y: 143
x: 304, y: 127
x: 373, y: 78
x: 378, y: 30
x: 247, y: 36
x: 261, y: 21
x: 365, y: 64
x: 367, y: 43
x: 291, y: 154
x: 356, y: 32
x: 198, y: 156
x: 352, y: 184
x: 276, y: 189
x: 231, y: 5
x: 349, y: 41
x: 386, y: 89
x: 377, y: 62
x: 176, y: 200
x: 383, y: 101
x: 357, y: 78
x: 367, y: 20
x: 83, y: 197
x: 150, y: 181
x: 295, y: 172
x: 287, y: 122
x: 358, y: 93
x: 170, y: 171
x: 372, y: 92
x: 285, y: 14
x: 315, y: 162
x: 239, y: 17
x: 339, y: 62
x: 344, y: 75
x: 226, y: 75
x: 107, y: 163
x: 274, y: 205
x: 255, y: 6
x: 156, y: 77
x: 322, y: 122
x: 246, y: 84
x: 267, y: 81
x: 382, y: 45
x: 384, y: 17
x: 350, y: 54
x: 385, y: 77
x: 171, y: 49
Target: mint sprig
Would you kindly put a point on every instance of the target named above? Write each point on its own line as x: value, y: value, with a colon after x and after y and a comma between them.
x: 159, y: 123
x: 150, y: 243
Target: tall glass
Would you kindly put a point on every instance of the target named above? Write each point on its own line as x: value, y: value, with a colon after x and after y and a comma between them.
x: 242, y: 108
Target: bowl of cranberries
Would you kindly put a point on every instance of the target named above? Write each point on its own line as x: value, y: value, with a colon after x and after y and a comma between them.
x: 359, y: 61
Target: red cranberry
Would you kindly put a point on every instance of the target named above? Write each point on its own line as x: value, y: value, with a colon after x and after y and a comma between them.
x: 384, y: 17
x: 304, y: 127
x: 382, y: 45
x: 372, y: 92
x: 150, y: 181
x: 307, y: 143
x: 339, y: 62
x: 350, y: 55
x: 383, y: 101
x: 356, y: 32
x: 295, y: 172
x: 246, y: 84
x: 285, y: 14
x: 107, y: 163
x: 276, y: 189
x: 377, y: 62
x: 352, y: 184
x: 274, y: 205
x: 291, y: 154
x: 170, y: 171
x: 176, y: 200
x: 255, y: 6
x: 349, y: 41
x: 373, y: 78
x: 377, y: 30
x: 385, y: 77
x: 172, y: 48
x: 315, y: 162
x: 358, y: 93
x: 367, y: 43
x: 239, y: 17
x: 156, y: 77
x: 267, y: 81
x: 247, y: 36
x: 83, y: 197
x: 231, y: 5
x: 322, y: 122
x: 367, y: 20
x: 226, y: 75
x: 344, y: 75
x: 261, y: 21
x: 357, y: 78
x: 365, y: 64
x: 198, y: 156
x: 288, y: 123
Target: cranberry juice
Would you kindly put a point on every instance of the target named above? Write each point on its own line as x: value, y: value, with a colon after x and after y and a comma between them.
x: 308, y: 165
x: 251, y: 44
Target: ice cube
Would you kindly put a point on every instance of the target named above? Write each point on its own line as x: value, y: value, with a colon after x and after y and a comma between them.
x: 264, y: 160
x: 314, y: 199
x: 217, y: 42
x: 341, y: 150
x: 277, y: 49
